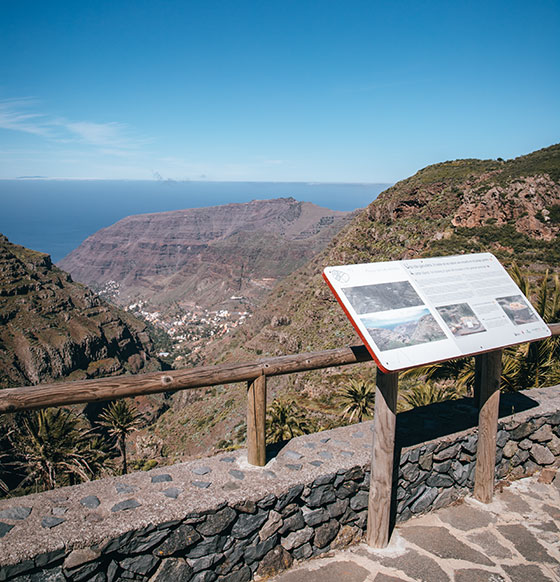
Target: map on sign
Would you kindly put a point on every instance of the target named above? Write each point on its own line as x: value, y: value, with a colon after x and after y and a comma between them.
x: 416, y: 312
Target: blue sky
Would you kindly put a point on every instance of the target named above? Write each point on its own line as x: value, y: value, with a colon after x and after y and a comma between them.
x: 344, y: 91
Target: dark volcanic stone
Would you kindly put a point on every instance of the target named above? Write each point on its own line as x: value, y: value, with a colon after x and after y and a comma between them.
x: 316, y: 516
x: 202, y: 470
x: 359, y: 501
x: 288, y: 497
x: 303, y: 552
x: 142, y: 544
x: 47, y: 558
x: 179, y: 539
x: 424, y: 500
x: 253, y: 553
x: 172, y: 492
x: 205, y: 547
x: 321, y: 496
x: 126, y: 504
x: 91, y: 501
x: 84, y: 573
x: 51, y: 575
x: 50, y: 522
x: 202, y: 484
x: 236, y: 474
x: 293, y: 523
x: 205, y: 562
x: 124, y: 488
x: 15, y: 513
x: 4, y: 528
x: 276, y: 560
x: 142, y: 565
x: 172, y: 569
x: 248, y: 523
x: 15, y: 569
x: 337, y: 508
x: 268, y: 501
x: 347, y: 489
x: 325, y: 533
x: 217, y: 522
x: 162, y: 478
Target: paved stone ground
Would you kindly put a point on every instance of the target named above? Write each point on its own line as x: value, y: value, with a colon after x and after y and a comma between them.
x: 516, y: 538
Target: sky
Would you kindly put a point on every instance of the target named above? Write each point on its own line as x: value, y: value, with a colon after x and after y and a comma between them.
x: 275, y: 90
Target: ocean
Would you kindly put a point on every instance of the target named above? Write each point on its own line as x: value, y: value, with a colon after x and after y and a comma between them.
x: 55, y: 216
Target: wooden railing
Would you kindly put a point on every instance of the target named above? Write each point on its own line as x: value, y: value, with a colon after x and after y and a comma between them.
x: 487, y: 377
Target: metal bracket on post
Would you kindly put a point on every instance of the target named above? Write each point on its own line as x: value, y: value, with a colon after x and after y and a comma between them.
x: 488, y: 374
x: 381, y: 480
x: 256, y: 421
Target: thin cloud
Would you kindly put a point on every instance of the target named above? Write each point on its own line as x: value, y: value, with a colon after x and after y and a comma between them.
x: 13, y: 116
x: 112, y: 137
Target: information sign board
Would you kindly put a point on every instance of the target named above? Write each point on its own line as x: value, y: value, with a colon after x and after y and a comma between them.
x: 420, y: 311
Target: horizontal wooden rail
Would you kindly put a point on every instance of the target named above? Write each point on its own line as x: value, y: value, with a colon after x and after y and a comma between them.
x: 82, y: 391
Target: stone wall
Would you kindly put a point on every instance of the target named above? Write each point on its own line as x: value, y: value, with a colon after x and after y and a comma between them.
x: 221, y: 519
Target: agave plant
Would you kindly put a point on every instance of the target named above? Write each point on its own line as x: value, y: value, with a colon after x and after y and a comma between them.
x: 284, y: 420
x: 120, y: 419
x: 358, y: 399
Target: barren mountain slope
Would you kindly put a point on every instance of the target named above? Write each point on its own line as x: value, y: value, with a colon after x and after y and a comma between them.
x: 52, y: 328
x: 204, y: 255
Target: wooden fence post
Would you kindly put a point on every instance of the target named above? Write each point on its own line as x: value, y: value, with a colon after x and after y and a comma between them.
x: 256, y: 421
x: 490, y: 371
x: 381, y: 480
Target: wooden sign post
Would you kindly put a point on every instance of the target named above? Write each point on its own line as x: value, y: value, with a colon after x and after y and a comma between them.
x: 383, y: 451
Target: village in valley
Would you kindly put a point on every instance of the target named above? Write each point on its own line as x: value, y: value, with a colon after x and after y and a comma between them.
x: 183, y: 331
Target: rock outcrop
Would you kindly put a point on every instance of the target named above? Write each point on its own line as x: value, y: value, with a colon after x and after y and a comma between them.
x: 52, y: 328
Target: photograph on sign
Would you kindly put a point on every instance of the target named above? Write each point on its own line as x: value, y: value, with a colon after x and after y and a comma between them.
x: 419, y: 311
x: 403, y: 327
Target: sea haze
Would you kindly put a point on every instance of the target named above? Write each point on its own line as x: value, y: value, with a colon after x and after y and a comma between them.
x: 55, y: 216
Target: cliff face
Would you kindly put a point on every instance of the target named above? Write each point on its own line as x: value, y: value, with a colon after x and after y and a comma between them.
x: 204, y: 255
x: 51, y: 327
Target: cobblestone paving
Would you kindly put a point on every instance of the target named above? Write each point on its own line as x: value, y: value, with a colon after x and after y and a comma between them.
x: 516, y: 538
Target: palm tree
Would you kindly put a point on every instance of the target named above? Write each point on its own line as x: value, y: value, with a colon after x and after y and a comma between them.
x: 53, y: 448
x: 358, y: 399
x: 284, y: 420
x: 121, y: 419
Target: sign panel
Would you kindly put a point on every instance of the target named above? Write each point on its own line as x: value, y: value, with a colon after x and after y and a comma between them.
x: 416, y: 312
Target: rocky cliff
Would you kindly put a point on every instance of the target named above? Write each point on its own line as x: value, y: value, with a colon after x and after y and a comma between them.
x: 52, y: 328
x: 204, y: 255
